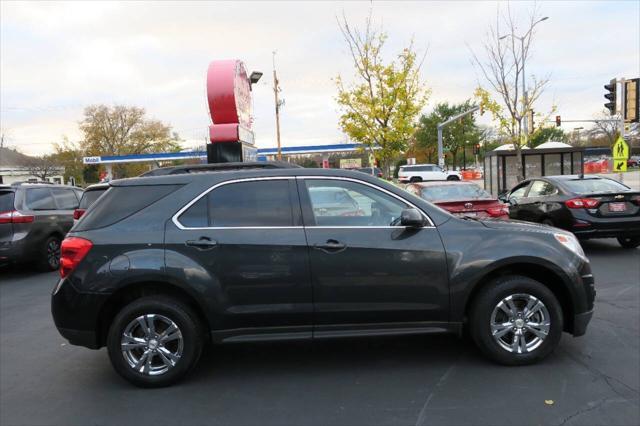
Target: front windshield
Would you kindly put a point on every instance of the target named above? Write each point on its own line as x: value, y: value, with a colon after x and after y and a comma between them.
x: 454, y: 192
x: 586, y: 186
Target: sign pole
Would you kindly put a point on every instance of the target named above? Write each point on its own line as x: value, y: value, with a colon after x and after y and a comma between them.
x: 622, y: 106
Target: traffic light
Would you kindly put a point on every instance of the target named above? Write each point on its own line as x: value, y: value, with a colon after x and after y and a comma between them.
x: 476, y: 149
x: 558, y: 121
x: 630, y: 107
x: 611, y: 96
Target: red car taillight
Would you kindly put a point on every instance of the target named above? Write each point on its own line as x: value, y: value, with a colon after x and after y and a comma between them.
x: 498, y: 211
x: 582, y: 203
x: 77, y: 213
x: 72, y: 251
x: 15, y: 216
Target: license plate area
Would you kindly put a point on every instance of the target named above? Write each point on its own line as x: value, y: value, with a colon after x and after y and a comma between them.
x: 617, y: 207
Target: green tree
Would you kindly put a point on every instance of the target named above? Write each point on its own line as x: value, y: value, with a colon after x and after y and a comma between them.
x: 121, y: 130
x: 546, y: 134
x: 455, y: 137
x: 380, y: 107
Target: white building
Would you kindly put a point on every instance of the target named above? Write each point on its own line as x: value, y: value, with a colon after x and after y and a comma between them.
x: 13, y: 169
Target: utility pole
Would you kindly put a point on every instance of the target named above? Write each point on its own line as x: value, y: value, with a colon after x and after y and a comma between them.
x: 623, y: 102
x: 276, y: 89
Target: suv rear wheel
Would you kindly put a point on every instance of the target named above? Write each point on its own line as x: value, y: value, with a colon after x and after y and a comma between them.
x: 49, y: 256
x: 154, y: 341
x: 516, y: 320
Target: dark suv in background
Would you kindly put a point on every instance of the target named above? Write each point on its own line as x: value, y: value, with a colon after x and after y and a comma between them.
x: 34, y: 218
x: 159, y: 266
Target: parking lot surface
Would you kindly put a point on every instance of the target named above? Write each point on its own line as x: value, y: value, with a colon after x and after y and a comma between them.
x: 419, y: 380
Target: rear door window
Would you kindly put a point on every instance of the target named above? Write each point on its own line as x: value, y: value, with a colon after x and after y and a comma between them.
x: 65, y: 198
x: 243, y: 204
x: 40, y: 199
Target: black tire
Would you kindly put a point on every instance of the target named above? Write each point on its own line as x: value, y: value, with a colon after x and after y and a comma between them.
x: 415, y: 179
x: 181, y: 315
x: 489, y: 298
x: 49, y: 254
x: 453, y: 178
x: 629, y: 242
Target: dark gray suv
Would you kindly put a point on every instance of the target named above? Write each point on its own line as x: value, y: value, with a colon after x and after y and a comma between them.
x: 159, y: 266
x: 34, y: 218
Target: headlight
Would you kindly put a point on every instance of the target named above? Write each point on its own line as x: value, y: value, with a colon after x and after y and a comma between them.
x: 570, y: 242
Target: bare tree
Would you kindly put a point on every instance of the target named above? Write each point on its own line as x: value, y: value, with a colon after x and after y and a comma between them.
x: 43, y: 167
x: 609, y: 129
x: 505, y: 54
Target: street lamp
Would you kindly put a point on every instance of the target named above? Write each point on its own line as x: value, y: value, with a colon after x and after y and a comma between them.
x: 524, y: 85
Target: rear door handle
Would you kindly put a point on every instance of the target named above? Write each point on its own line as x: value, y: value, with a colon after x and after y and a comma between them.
x: 331, y: 246
x: 203, y: 243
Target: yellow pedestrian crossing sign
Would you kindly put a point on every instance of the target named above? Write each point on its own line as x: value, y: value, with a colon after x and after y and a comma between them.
x: 620, y: 165
x: 620, y: 153
x: 620, y: 150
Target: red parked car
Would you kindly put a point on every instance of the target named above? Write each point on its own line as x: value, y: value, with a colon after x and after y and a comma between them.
x: 461, y: 198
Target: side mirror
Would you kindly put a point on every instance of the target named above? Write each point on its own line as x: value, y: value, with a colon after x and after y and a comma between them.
x: 412, y: 218
x: 504, y: 197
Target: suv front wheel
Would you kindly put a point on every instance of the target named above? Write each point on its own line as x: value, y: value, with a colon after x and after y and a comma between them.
x: 154, y: 341
x: 516, y: 320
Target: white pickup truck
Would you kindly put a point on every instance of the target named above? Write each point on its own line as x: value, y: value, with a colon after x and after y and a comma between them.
x: 424, y: 172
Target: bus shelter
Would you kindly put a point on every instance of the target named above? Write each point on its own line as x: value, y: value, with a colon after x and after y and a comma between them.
x: 500, y: 173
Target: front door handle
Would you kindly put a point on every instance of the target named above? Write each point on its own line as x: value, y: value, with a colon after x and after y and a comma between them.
x: 203, y: 243
x: 331, y: 246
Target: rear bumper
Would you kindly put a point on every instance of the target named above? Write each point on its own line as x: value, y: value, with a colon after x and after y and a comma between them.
x: 88, y: 339
x: 76, y: 315
x: 13, y: 251
x: 610, y: 227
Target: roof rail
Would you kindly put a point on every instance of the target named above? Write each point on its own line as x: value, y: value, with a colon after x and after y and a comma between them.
x: 220, y: 167
x: 26, y: 182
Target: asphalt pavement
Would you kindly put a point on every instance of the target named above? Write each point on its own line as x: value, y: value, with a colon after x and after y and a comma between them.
x: 419, y: 380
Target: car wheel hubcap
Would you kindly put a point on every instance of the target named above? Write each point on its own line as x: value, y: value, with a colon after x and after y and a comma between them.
x: 152, y: 344
x: 520, y: 323
x: 53, y: 253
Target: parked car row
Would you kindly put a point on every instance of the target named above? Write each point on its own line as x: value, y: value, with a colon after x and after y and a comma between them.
x: 35, y: 217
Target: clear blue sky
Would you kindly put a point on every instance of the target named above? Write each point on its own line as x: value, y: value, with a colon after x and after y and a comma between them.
x: 56, y: 58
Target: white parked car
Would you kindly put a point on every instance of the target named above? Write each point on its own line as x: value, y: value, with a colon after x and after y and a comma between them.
x: 424, y: 172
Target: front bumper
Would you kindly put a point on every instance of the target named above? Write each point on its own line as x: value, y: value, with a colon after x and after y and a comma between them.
x: 580, y: 323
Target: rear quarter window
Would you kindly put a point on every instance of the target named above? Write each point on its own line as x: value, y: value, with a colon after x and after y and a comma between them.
x: 65, y: 198
x: 120, y: 202
x: 39, y: 199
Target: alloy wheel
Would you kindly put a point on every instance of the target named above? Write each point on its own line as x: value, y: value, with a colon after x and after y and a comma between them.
x: 53, y: 253
x: 520, y: 323
x: 152, y: 344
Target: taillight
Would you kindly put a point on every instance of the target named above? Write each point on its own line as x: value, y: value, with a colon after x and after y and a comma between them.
x: 498, y: 211
x: 72, y: 251
x: 635, y: 199
x: 582, y: 203
x: 77, y: 213
x: 15, y: 216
